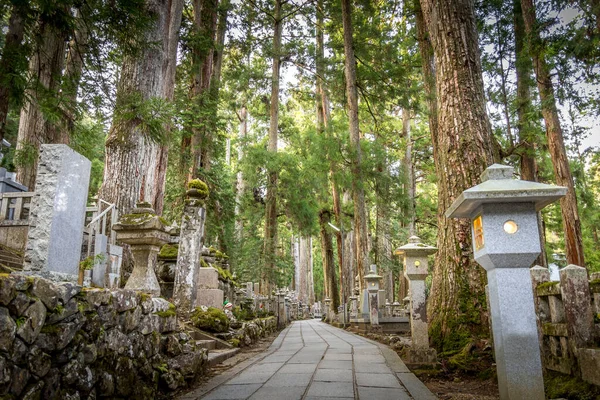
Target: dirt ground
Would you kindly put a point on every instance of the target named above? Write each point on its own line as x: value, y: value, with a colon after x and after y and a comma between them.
x: 448, y: 387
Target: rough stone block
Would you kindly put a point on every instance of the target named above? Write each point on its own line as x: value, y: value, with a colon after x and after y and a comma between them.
x: 207, y: 278
x: 576, y: 298
x: 209, y: 298
x: 589, y: 362
x: 57, y: 211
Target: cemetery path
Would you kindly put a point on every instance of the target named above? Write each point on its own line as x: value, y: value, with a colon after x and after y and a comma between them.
x: 313, y: 360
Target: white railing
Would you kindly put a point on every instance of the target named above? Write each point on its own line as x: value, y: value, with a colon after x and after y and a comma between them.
x: 100, y: 219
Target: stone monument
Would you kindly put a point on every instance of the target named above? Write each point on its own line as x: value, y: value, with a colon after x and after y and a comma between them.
x: 416, y: 270
x: 57, y: 213
x: 372, y: 284
x: 503, y: 212
x: 191, y: 239
x: 144, y: 232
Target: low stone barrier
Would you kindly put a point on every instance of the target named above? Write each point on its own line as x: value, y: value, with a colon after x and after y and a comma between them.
x: 58, y: 341
x: 246, y: 333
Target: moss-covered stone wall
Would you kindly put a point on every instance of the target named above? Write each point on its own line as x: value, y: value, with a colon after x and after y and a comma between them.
x: 59, y: 341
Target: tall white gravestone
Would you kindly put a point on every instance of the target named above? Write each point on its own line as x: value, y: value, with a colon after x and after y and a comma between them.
x: 57, y: 213
x: 506, y: 242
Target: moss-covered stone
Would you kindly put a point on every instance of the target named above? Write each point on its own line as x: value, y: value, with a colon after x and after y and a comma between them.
x: 197, y: 188
x: 548, y: 288
x: 203, y: 263
x: 135, y: 219
x: 211, y: 320
x: 595, y: 286
x: 168, y: 251
x: 171, y: 312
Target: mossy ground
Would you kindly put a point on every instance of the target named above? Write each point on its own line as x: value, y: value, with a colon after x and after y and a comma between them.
x: 568, y: 387
x: 211, y: 320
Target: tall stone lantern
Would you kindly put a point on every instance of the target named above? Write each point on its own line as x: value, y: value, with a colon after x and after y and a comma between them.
x: 144, y: 232
x: 503, y: 214
x: 416, y: 270
x: 372, y: 282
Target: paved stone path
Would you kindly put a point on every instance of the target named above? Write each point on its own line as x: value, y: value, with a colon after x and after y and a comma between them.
x: 313, y: 360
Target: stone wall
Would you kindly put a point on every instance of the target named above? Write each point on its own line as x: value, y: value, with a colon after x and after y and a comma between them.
x: 568, y: 314
x: 58, y: 341
x: 249, y: 332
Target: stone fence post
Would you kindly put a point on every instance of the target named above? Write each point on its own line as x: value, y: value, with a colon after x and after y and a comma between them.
x: 576, y: 299
x: 191, y: 241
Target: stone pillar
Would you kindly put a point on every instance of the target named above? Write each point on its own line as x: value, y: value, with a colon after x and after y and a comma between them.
x: 57, y: 213
x: 191, y: 239
x: 415, y: 270
x: 257, y: 289
x: 372, y: 285
x: 327, y: 309
x: 281, y: 322
x: 353, y: 306
x: 115, y: 259
x: 144, y: 232
x: 575, y: 289
x: 249, y: 289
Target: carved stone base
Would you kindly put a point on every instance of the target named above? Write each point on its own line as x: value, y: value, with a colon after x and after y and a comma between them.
x: 414, y: 357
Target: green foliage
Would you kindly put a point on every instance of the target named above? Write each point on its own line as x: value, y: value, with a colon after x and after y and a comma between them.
x: 243, y: 314
x: 89, y: 262
x: 558, y: 385
x: 150, y: 116
x: 211, y: 320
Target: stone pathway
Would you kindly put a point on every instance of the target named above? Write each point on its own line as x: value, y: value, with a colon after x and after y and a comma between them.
x: 313, y: 360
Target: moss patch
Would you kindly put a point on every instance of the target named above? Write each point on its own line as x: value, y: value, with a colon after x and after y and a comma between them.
x: 548, y: 288
x: 171, y: 312
x: 198, y: 188
x: 135, y: 219
x: 211, y: 320
x: 565, y: 386
x: 169, y: 251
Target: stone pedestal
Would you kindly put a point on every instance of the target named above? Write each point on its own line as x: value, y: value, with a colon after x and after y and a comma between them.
x: 143, y: 231
x: 208, y: 293
x: 57, y: 213
x: 415, y: 270
x: 191, y: 238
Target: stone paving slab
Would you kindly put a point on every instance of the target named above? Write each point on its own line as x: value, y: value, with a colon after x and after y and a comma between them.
x: 311, y: 360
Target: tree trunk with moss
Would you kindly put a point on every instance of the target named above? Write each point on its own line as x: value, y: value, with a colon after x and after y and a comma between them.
x: 457, y: 305
x: 38, y: 126
x: 330, y: 282
x: 135, y: 160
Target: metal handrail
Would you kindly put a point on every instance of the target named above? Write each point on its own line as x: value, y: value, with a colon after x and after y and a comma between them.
x: 102, y: 214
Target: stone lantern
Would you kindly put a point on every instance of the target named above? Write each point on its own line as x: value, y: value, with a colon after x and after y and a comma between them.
x: 416, y: 270
x: 396, y: 309
x: 372, y: 282
x: 327, y: 302
x: 506, y: 241
x: 144, y: 232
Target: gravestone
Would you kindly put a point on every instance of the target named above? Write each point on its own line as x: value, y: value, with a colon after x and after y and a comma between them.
x: 100, y: 271
x: 57, y: 213
x: 207, y: 292
x: 115, y: 259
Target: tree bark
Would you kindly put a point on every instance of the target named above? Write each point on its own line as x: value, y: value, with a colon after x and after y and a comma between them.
x: 36, y: 128
x: 527, y: 135
x: 358, y: 193
x: 330, y: 281
x: 240, y: 184
x: 271, y: 197
x: 12, y: 56
x: 463, y: 149
x: 135, y: 163
x: 556, y: 146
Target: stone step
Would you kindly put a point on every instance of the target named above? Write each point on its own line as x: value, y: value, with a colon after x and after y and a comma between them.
x: 207, y: 344
x: 197, y: 334
x: 218, y: 356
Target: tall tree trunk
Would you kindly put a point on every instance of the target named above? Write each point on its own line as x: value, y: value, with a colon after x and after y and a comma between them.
x: 330, y: 281
x: 410, y: 191
x: 358, y: 192
x: 311, y: 278
x: 527, y: 135
x: 13, y: 56
x: 558, y: 153
x: 464, y: 149
x: 323, y: 118
x: 134, y: 163
x: 74, y: 69
x: 240, y: 184
x: 36, y: 128
x: 271, y: 198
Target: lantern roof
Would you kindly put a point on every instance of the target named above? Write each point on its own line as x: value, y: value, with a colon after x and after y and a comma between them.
x: 497, y: 186
x: 414, y: 247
